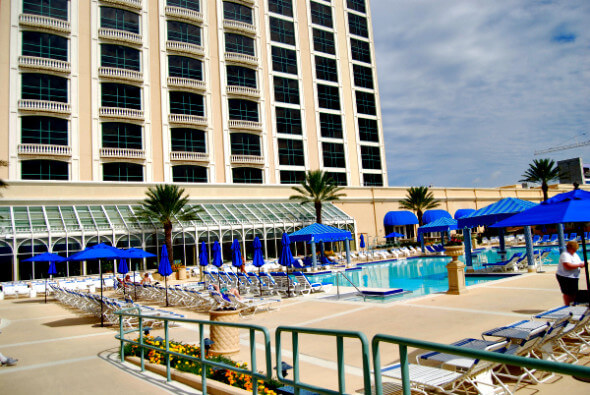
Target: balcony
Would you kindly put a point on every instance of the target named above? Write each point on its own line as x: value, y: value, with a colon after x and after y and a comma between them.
x: 184, y: 119
x: 189, y: 156
x: 126, y: 153
x: 242, y: 91
x: 34, y: 62
x: 179, y: 82
x: 179, y: 46
x: 241, y: 27
x: 120, y: 36
x: 44, y: 22
x: 45, y: 106
x: 241, y: 58
x: 120, y: 112
x: 120, y: 74
x: 184, y: 13
x: 44, y: 150
x: 136, y: 4
x: 247, y: 159
x: 249, y: 125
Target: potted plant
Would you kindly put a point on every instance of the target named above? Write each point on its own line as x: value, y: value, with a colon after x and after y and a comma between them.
x: 180, y: 270
x: 454, y: 247
x: 455, y: 269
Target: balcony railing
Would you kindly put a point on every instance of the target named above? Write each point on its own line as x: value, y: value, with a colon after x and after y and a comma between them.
x: 189, y: 156
x: 239, y: 26
x: 243, y: 91
x: 241, y: 58
x: 128, y: 153
x: 179, y: 46
x: 179, y: 82
x: 122, y: 74
x: 137, y: 4
x: 120, y: 35
x: 184, y: 13
x: 44, y: 63
x: 187, y: 119
x: 44, y: 149
x: 248, y: 159
x: 120, y: 112
x: 44, y: 105
x: 239, y: 124
x: 45, y: 22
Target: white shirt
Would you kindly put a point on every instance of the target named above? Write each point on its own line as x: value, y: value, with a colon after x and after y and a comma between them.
x: 569, y: 258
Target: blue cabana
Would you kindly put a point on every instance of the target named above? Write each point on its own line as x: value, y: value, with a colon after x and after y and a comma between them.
x: 316, y: 233
x: 463, y: 212
x: 439, y: 225
x: 432, y: 215
x: 399, y: 218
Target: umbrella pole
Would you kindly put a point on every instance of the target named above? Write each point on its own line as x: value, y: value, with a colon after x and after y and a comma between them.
x: 585, y: 261
x: 46, y: 290
x: 101, y: 302
x: 135, y: 282
x: 166, y: 287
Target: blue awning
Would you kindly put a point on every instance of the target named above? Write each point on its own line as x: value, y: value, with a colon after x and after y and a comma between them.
x: 320, y: 232
x: 439, y: 225
x: 463, y: 212
x: 402, y: 217
x: 433, y: 215
x: 495, y: 212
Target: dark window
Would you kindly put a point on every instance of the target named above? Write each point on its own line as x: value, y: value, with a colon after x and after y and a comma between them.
x: 116, y: 18
x: 333, y: 155
x: 338, y: 178
x: 368, y: 130
x: 326, y: 69
x: 44, y: 130
x: 187, y: 173
x: 323, y: 41
x: 237, y: 43
x: 372, y: 180
x: 120, y: 171
x: 331, y: 125
x: 44, y: 87
x: 283, y: 7
x: 45, y: 45
x: 286, y: 90
x: 284, y: 60
x: 189, y: 4
x: 363, y: 76
x: 246, y: 175
x: 360, y: 50
x: 243, y: 110
x: 288, y: 120
x: 321, y: 14
x: 241, y: 76
x: 328, y: 97
x: 245, y: 144
x: 121, y: 135
x: 282, y: 31
x: 365, y: 103
x: 187, y: 103
x: 121, y: 95
x: 119, y: 57
x: 184, y: 32
x: 188, y: 140
x: 237, y: 12
x: 291, y: 152
x: 52, y: 8
x: 357, y: 5
x: 181, y: 66
x: 292, y: 177
x: 371, y: 157
x: 358, y: 25
x: 40, y: 169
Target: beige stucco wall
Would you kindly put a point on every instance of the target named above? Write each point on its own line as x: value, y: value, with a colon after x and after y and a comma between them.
x: 5, y: 82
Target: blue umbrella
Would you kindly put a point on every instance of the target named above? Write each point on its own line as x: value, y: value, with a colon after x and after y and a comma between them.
x: 217, y: 261
x: 165, y: 269
x: 286, y: 258
x: 236, y: 256
x: 47, y: 257
x: 393, y: 234
x: 258, y: 259
x: 203, y: 255
x: 362, y: 243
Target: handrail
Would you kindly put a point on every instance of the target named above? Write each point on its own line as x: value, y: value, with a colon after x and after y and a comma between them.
x: 351, y: 283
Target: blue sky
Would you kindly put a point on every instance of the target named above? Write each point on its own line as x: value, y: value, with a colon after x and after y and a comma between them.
x: 470, y: 89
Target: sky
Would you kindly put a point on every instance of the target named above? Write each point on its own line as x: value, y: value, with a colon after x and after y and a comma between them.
x: 470, y: 89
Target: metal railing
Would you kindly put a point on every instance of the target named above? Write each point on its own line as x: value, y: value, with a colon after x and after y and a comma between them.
x: 338, y: 274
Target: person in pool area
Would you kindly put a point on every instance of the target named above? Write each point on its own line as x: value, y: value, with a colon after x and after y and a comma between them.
x: 568, y: 272
x: 224, y: 291
x: 146, y: 279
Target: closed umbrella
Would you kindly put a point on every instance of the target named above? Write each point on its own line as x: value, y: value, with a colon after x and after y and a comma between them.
x: 47, y: 257
x: 258, y: 258
x: 136, y: 253
x: 123, y: 269
x: 217, y: 261
x: 203, y: 257
x: 165, y: 269
x: 236, y: 256
x: 362, y: 242
x: 286, y: 258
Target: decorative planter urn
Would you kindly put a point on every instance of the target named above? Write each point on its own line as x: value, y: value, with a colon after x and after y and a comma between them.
x: 226, y: 340
x: 181, y: 273
x: 456, y: 270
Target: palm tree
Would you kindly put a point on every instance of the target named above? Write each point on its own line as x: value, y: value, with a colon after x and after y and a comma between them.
x: 419, y: 199
x: 162, y: 205
x: 542, y: 171
x: 316, y: 188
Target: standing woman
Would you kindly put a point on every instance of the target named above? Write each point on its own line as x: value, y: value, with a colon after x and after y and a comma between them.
x: 568, y: 272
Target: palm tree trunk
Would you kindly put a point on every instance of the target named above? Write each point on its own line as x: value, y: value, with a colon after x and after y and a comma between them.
x: 545, y: 189
x: 420, y: 214
x: 168, y: 241
x: 318, y: 212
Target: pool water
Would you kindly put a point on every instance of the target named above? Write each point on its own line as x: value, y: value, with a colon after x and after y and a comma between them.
x: 492, y: 255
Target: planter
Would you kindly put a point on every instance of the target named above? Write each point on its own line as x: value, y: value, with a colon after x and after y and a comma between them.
x: 226, y: 339
x: 456, y: 270
x: 181, y: 274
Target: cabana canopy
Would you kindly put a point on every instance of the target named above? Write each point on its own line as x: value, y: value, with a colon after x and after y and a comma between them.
x: 320, y: 232
x: 439, y: 225
x: 463, y: 212
x: 495, y: 212
x: 432, y: 215
x: 402, y: 217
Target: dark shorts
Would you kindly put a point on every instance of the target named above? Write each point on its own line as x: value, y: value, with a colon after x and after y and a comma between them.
x: 568, y: 285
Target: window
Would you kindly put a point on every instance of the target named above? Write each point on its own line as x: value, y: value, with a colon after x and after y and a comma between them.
x: 119, y: 57
x: 328, y: 97
x: 333, y: 155
x: 120, y: 171
x: 368, y: 130
x: 286, y: 90
x: 181, y: 66
x: 363, y: 76
x: 116, y: 18
x: 358, y: 25
x: 241, y: 76
x: 360, y: 50
x: 44, y: 87
x: 321, y: 14
x: 338, y: 178
x: 357, y: 5
x: 184, y: 32
x: 243, y: 110
x: 52, y: 8
x: 326, y: 69
x: 41, y: 169
x: 121, y: 95
x: 282, y: 31
x: 292, y: 177
x: 372, y: 180
x: 45, y: 45
x: 239, y: 44
x: 288, y: 120
x: 246, y: 175
x: 245, y: 144
x: 331, y: 125
x: 188, y: 140
x: 187, y: 173
x: 323, y: 41
x: 44, y: 130
x: 291, y: 152
x: 283, y: 7
x: 365, y: 103
x: 371, y: 157
x: 187, y: 103
x: 237, y: 12
x: 121, y: 135
x: 284, y: 60
x: 189, y: 4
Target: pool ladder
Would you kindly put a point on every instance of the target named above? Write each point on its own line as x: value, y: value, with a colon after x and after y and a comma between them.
x: 338, y: 274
